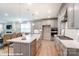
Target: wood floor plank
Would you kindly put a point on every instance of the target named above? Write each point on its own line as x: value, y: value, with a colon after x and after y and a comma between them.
x: 47, y: 48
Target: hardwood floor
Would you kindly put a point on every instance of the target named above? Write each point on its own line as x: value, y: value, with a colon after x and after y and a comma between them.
x: 47, y: 48
x: 4, y: 51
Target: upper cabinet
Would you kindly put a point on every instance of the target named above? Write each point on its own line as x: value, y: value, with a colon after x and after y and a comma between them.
x: 71, y: 11
x: 62, y: 17
x: 73, y: 15
x: 76, y: 15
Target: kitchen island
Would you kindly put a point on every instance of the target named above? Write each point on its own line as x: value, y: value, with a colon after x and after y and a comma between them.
x: 66, y: 47
x: 25, y: 46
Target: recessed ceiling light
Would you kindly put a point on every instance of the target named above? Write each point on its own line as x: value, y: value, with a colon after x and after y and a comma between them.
x: 48, y: 16
x: 36, y: 13
x: 6, y: 14
x: 49, y: 11
x: 29, y: 3
x: 40, y: 30
x: 33, y: 24
x: 19, y: 19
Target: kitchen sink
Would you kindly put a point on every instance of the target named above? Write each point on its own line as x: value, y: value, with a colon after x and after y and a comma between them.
x: 65, y: 38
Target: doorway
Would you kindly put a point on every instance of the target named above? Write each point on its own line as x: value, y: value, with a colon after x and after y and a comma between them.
x: 46, y: 32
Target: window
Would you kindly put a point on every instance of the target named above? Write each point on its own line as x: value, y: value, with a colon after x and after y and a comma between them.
x: 26, y: 27
x: 1, y: 28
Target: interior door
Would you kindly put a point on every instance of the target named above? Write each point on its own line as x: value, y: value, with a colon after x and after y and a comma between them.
x: 46, y: 34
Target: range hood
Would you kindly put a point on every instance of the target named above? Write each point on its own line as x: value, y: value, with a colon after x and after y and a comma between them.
x: 64, y: 17
x: 65, y: 20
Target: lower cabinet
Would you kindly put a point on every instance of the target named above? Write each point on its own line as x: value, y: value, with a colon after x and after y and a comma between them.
x: 16, y: 49
x: 61, y: 49
x: 21, y: 49
x: 72, y: 52
x: 26, y: 49
x: 65, y: 51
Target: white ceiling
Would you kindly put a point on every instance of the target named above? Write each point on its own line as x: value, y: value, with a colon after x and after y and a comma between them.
x: 13, y: 11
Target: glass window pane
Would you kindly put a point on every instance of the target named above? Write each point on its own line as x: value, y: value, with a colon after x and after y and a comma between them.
x: 26, y: 27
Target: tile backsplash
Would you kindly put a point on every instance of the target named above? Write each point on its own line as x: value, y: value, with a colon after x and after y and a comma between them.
x: 72, y: 33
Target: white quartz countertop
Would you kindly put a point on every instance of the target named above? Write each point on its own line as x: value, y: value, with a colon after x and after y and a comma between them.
x: 27, y: 39
x: 70, y: 43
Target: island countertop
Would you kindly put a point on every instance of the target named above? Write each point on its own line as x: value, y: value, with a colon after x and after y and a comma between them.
x: 28, y: 38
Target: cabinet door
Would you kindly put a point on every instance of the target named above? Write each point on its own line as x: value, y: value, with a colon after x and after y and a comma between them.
x: 25, y: 50
x: 16, y: 49
x: 76, y: 15
x: 70, y: 12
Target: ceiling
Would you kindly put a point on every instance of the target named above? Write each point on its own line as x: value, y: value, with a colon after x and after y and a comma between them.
x: 24, y: 12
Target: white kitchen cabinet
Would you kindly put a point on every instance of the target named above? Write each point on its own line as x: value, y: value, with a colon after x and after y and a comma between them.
x: 61, y: 17
x: 25, y: 49
x: 66, y: 47
x: 61, y: 25
x: 76, y: 15
x: 73, y: 15
x: 70, y: 13
x: 21, y: 49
